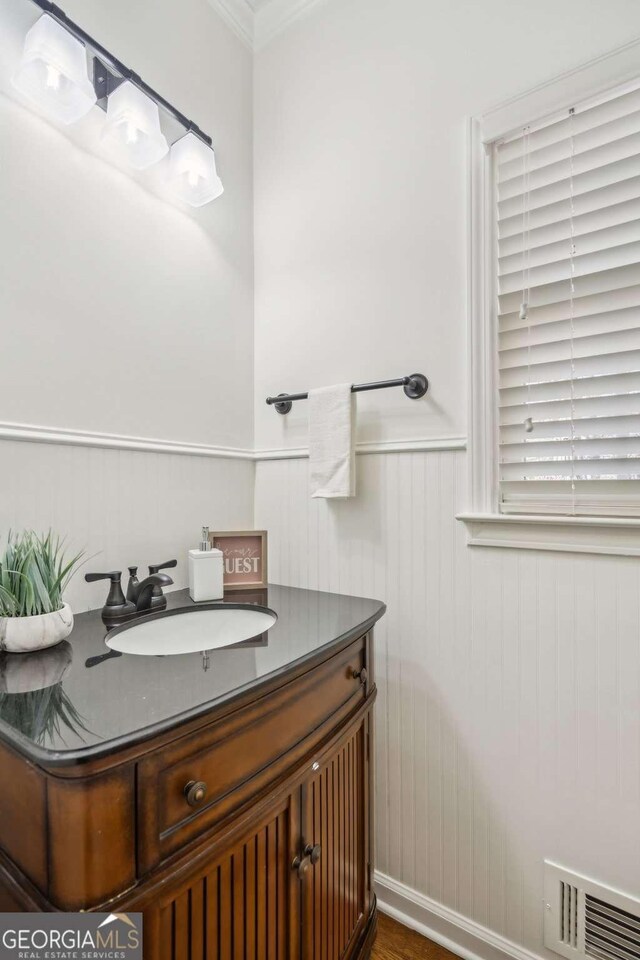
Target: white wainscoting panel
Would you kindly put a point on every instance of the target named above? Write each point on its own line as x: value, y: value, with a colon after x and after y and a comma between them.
x: 508, y: 714
x: 126, y: 507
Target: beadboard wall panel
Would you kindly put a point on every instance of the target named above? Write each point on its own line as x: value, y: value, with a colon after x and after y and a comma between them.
x: 123, y: 507
x: 508, y: 720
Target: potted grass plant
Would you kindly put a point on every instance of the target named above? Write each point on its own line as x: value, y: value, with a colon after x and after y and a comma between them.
x: 34, y: 572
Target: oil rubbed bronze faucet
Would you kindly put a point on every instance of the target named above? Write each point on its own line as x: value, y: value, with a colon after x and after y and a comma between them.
x: 140, y: 596
x: 158, y: 600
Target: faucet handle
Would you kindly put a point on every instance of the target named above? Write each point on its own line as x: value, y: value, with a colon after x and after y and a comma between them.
x: 155, y: 567
x: 116, y: 608
x: 158, y: 599
x: 133, y: 584
x: 114, y: 576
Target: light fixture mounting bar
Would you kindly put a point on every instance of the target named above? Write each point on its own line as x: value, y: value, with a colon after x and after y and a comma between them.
x: 109, y: 72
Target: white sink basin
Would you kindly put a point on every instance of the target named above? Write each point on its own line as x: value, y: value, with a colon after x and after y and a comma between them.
x: 191, y: 630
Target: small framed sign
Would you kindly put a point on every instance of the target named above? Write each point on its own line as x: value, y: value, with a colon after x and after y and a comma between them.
x: 245, y: 558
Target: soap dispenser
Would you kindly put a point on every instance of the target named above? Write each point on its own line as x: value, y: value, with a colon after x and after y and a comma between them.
x: 206, y: 571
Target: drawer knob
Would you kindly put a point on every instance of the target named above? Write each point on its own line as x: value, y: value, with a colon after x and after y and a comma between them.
x: 195, y: 791
x: 362, y: 674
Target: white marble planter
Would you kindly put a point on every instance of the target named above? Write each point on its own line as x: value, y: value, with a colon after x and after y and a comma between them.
x: 24, y: 634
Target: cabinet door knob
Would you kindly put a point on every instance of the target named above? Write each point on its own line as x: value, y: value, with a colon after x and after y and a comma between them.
x: 362, y: 674
x: 310, y: 856
x: 313, y: 851
x: 195, y: 791
x: 301, y: 865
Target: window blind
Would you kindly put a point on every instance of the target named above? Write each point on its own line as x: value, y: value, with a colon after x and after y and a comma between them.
x: 568, y: 266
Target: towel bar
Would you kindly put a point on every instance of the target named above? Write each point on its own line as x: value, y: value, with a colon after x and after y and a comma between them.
x: 415, y: 386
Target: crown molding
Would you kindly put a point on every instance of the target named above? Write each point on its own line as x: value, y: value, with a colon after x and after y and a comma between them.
x: 257, y: 22
x: 275, y: 16
x: 239, y: 16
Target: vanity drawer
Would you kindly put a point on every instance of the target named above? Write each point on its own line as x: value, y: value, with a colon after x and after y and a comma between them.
x: 242, y: 754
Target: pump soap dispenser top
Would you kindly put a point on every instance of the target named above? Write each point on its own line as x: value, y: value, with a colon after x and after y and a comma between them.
x: 206, y: 571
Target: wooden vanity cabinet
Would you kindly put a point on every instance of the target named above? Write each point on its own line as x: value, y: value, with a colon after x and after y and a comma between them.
x: 274, y: 861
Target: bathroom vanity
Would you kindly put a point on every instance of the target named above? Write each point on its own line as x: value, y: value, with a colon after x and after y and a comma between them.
x: 226, y: 793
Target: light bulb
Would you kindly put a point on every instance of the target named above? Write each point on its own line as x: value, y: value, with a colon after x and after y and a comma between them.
x: 192, y: 173
x: 53, y: 77
x: 53, y: 72
x: 132, y: 132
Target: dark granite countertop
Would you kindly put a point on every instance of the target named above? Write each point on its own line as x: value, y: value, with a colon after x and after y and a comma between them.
x: 57, y: 707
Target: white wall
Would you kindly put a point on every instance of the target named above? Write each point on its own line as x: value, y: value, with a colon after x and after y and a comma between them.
x: 509, y: 694
x: 120, y: 313
x: 122, y: 507
x: 508, y: 718
x: 360, y: 179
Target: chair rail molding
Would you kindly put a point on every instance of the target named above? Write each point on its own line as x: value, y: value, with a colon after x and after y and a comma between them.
x: 113, y: 441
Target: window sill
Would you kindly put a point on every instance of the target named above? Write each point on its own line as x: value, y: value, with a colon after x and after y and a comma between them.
x: 609, y: 535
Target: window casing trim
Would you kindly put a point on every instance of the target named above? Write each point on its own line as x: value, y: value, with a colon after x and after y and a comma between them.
x: 486, y: 525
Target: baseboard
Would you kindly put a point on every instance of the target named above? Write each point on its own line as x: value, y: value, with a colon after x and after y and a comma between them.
x: 444, y: 926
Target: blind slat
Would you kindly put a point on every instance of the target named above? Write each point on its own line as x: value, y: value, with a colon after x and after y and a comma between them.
x: 585, y: 119
x: 603, y: 303
x: 580, y: 348
x: 599, y: 449
x: 560, y: 411
x: 584, y: 372
x: 580, y: 266
x: 560, y: 171
x: 588, y: 184
x: 627, y: 468
x: 614, y: 236
x: 584, y: 427
x: 586, y: 203
x: 559, y: 330
x: 598, y: 282
x: 591, y: 137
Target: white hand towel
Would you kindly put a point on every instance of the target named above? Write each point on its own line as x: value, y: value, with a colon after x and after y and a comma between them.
x: 332, y: 439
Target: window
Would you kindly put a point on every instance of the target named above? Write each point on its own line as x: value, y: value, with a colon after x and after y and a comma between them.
x: 554, y: 296
x: 567, y: 208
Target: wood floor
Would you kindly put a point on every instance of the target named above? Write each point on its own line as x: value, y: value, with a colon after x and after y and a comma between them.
x: 395, y: 942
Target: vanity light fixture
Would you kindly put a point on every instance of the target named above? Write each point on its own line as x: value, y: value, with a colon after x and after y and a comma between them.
x: 58, y: 59
x: 53, y: 72
x: 133, y: 127
x: 192, y: 171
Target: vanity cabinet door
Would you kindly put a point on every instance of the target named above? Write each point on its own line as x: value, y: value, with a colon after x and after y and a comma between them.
x: 243, y: 904
x: 336, y: 818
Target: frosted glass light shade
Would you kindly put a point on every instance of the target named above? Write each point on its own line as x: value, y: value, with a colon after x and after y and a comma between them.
x: 133, y: 129
x: 192, y: 171
x: 53, y: 72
